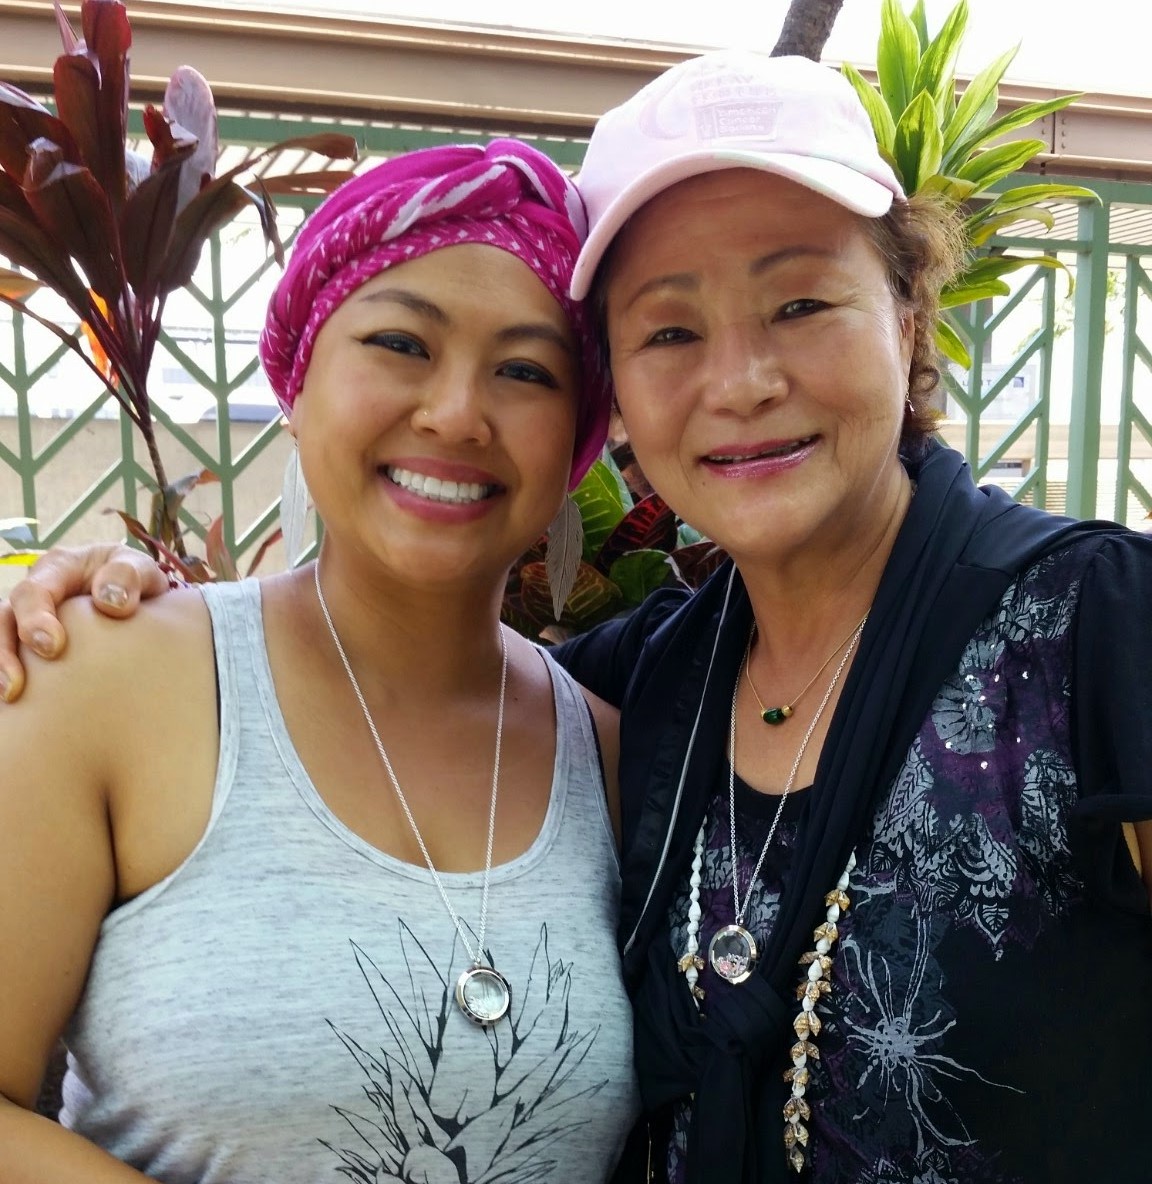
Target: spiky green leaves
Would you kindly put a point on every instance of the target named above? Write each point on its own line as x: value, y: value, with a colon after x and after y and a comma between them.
x: 953, y: 146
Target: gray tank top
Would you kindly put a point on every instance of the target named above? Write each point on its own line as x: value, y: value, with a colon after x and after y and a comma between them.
x: 280, y: 1009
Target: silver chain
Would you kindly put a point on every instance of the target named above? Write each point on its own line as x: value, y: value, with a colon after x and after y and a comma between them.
x: 476, y: 955
x: 740, y: 910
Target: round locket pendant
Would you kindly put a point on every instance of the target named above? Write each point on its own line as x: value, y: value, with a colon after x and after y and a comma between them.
x: 732, y: 953
x: 483, y: 995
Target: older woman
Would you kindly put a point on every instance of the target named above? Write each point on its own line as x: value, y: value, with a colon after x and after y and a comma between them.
x: 878, y: 910
x: 362, y: 927
x: 892, y: 963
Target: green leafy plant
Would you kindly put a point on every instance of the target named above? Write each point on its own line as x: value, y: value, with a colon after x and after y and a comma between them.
x: 629, y: 544
x: 938, y: 141
x: 114, y: 234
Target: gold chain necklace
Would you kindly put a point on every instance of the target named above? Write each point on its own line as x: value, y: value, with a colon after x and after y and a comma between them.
x: 777, y: 715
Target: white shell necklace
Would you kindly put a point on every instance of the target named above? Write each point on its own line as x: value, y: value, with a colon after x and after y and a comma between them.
x: 732, y: 952
x: 483, y: 994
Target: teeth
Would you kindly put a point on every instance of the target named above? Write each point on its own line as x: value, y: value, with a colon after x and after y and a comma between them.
x: 783, y: 450
x: 459, y: 493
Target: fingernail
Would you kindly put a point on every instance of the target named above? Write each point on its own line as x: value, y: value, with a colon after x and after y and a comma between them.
x: 43, y: 644
x: 5, y: 686
x: 113, y: 596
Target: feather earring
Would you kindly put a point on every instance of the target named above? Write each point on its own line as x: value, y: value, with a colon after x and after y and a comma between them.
x: 565, y: 544
x: 293, y: 508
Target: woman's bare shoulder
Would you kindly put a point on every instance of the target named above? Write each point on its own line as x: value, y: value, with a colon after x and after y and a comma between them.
x: 169, y: 619
x: 136, y: 656
x: 76, y: 750
x: 606, y: 716
x: 157, y: 677
x: 121, y: 685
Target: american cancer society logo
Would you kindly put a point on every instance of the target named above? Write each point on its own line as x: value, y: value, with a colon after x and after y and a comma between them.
x: 735, y: 110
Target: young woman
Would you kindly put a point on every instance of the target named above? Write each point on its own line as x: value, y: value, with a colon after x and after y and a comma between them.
x: 319, y: 878
x: 877, y: 902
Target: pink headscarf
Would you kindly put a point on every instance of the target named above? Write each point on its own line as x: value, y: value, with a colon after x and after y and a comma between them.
x: 505, y: 195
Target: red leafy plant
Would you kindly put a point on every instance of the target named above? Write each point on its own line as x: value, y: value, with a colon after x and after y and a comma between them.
x: 113, y: 234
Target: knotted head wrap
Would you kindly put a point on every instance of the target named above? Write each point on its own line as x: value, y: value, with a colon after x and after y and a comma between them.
x: 504, y: 194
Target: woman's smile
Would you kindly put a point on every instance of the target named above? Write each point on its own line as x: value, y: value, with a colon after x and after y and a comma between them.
x: 759, y: 460
x: 441, y: 491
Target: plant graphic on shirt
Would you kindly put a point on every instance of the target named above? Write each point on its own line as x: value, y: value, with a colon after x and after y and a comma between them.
x: 440, y: 1120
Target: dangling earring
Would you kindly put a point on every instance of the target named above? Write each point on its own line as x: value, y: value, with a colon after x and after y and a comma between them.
x: 293, y: 507
x: 565, y: 546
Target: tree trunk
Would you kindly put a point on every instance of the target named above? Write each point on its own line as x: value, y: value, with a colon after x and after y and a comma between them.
x: 807, y: 25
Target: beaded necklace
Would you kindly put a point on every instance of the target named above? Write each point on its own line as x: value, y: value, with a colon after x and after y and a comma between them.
x: 735, y: 956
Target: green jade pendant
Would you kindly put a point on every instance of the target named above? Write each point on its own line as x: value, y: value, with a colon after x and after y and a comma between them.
x: 776, y: 715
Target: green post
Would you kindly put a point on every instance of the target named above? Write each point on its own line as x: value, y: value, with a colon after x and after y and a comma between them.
x: 222, y: 389
x: 24, y: 425
x: 1043, y: 420
x: 979, y: 341
x: 1088, y: 358
x: 128, y: 465
x: 1132, y: 273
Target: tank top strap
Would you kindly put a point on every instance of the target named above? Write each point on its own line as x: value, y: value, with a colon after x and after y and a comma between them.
x: 252, y: 732
x: 578, y: 751
x: 243, y: 677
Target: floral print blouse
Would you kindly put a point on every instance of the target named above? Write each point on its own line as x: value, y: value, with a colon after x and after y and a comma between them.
x: 990, y: 1017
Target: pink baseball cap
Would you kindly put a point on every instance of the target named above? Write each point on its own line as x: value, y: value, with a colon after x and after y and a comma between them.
x: 730, y: 109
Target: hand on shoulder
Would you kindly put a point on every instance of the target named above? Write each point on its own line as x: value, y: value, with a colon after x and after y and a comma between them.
x: 148, y: 647
x: 120, y: 679
x: 117, y: 577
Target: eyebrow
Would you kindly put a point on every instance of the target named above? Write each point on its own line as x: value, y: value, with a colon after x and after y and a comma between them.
x: 688, y: 281
x: 531, y: 331
x: 408, y: 300
x: 536, y: 332
x: 787, y: 254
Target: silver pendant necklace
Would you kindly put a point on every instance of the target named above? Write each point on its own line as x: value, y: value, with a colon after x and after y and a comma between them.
x: 733, y: 952
x: 482, y: 993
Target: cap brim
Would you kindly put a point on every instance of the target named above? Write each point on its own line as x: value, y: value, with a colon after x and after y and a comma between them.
x: 833, y: 180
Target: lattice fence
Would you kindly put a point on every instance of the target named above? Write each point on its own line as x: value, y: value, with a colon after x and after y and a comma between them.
x: 1057, y: 406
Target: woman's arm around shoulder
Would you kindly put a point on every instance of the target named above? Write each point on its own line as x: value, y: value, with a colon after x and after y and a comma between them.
x: 604, y: 658
x: 64, y: 783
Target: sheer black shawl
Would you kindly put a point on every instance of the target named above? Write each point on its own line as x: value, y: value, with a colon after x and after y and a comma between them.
x: 958, y: 550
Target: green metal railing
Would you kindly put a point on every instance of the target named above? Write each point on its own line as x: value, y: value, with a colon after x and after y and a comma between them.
x: 1019, y: 344
x: 979, y: 325
x: 1134, y: 414
x: 121, y: 482
x: 1106, y: 462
